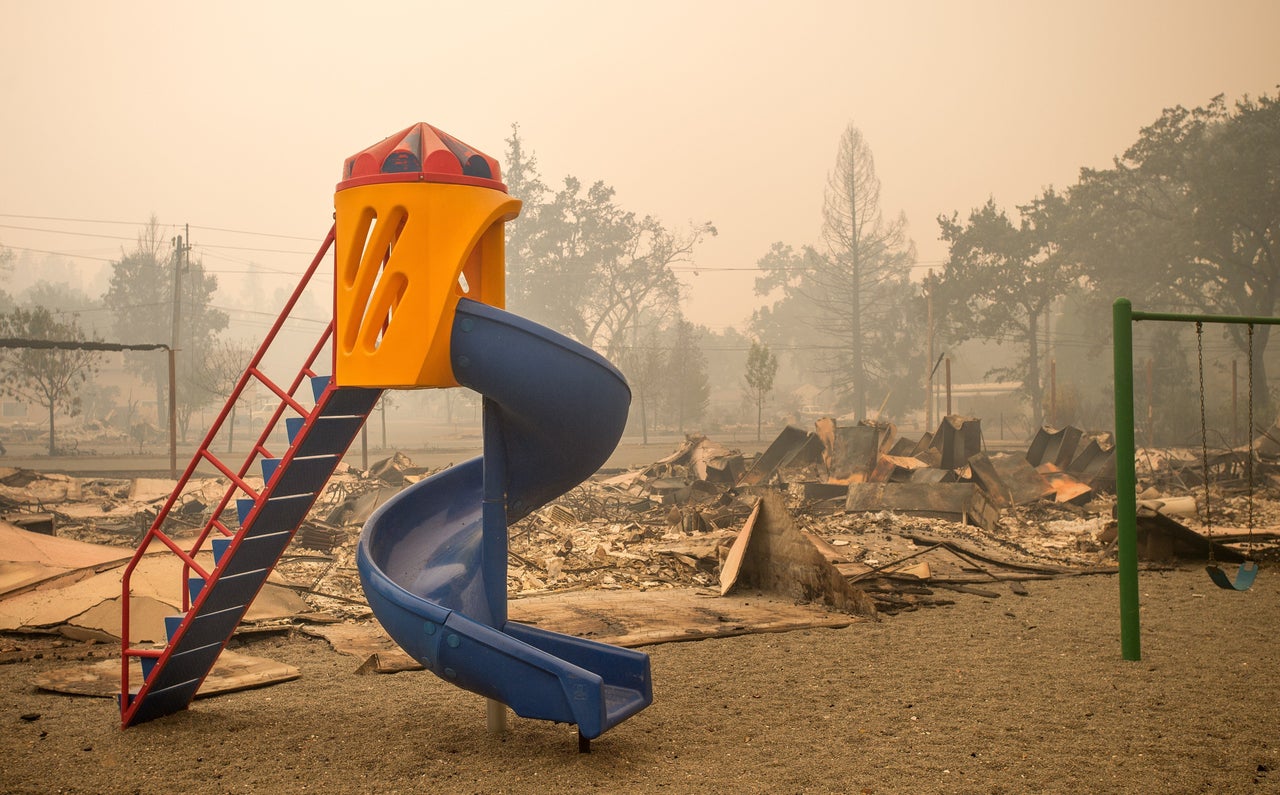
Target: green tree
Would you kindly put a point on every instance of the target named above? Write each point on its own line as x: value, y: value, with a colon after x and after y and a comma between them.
x: 643, y: 363
x: 585, y: 266
x: 688, y: 386
x: 140, y: 297
x: 524, y: 183
x: 1001, y: 280
x: 762, y: 366
x: 48, y: 377
x: 218, y: 372
x: 1187, y: 219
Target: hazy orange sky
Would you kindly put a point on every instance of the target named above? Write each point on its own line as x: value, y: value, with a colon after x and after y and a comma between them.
x: 238, y: 115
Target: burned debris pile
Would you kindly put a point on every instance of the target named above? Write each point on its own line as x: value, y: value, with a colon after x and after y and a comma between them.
x: 849, y: 518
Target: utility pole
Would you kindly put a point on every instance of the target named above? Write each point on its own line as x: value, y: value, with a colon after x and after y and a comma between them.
x: 179, y: 254
x: 929, y: 364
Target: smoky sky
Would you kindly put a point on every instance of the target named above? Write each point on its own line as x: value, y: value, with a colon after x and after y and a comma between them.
x: 235, y: 117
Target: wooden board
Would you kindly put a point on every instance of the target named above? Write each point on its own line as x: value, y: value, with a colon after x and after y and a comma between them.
x: 940, y: 500
x: 230, y: 673
x: 630, y: 618
x: 621, y: 618
x: 781, y: 561
x: 733, y: 562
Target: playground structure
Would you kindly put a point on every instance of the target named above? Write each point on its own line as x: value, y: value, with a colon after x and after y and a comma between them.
x: 1123, y: 318
x: 418, y: 294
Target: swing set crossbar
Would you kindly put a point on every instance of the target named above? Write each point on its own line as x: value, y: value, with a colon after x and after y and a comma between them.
x: 1123, y: 317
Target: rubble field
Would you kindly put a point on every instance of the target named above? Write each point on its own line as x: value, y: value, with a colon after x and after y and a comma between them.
x: 905, y: 569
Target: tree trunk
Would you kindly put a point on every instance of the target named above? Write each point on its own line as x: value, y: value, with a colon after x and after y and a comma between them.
x: 644, y: 420
x: 1032, y: 384
x: 52, y: 446
x: 855, y: 326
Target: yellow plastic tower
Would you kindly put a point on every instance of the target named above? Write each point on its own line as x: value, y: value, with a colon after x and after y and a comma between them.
x: 420, y: 223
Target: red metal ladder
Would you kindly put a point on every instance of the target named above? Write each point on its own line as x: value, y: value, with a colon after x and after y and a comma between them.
x: 319, y: 428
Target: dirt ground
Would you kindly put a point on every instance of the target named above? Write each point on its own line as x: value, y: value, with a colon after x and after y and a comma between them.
x: 1011, y: 694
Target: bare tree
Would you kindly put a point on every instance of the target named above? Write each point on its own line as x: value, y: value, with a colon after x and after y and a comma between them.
x: 49, y: 377
x: 762, y: 366
x: 845, y: 300
x: 865, y: 254
x: 218, y: 371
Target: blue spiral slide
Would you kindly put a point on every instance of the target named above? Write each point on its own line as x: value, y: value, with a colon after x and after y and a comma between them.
x: 433, y: 560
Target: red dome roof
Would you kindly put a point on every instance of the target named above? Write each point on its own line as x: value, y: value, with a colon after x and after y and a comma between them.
x: 421, y: 153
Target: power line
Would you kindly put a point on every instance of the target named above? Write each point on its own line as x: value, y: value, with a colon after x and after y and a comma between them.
x: 59, y: 253
x: 147, y: 223
x: 65, y: 232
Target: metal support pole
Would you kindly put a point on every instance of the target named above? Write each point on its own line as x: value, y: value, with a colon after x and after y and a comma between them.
x: 495, y: 716
x: 929, y: 363
x: 1126, y: 480
x: 173, y: 415
x: 948, y: 386
x: 1053, y: 388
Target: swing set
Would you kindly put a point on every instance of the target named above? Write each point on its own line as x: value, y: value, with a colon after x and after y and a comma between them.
x: 1123, y: 318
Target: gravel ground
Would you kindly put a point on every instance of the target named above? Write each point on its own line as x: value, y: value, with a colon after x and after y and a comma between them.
x: 1013, y: 694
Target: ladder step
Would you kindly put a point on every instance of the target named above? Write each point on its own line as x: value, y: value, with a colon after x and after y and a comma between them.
x: 220, y: 546
x: 319, y: 383
x: 280, y: 514
x: 234, y: 591
x: 304, y: 475
x: 293, y: 426
x: 171, y: 624
x: 330, y: 435
x: 148, y: 665
x: 257, y: 552
x: 194, y: 586
x: 243, y: 506
x: 269, y: 467
x: 351, y: 401
x: 166, y: 700
x: 209, y: 627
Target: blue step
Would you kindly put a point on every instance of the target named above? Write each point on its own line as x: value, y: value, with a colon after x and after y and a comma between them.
x: 269, y: 467
x: 319, y: 383
x: 194, y: 586
x: 220, y: 546
x: 240, y: 574
x: 293, y: 426
x: 171, y: 624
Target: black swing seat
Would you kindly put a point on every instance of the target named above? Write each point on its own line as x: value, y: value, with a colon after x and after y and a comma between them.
x: 1244, y: 577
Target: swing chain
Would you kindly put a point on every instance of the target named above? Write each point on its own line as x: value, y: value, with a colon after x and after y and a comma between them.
x: 1249, y: 440
x: 1204, y: 438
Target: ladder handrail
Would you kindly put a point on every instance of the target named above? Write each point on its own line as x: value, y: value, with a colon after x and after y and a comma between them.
x: 252, y: 370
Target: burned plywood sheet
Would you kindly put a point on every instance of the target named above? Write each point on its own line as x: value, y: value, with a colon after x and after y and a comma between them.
x: 1055, y: 446
x: 1161, y: 537
x: 777, y: 558
x: 849, y: 452
x: 1065, y: 487
x: 898, y: 469
x: 632, y: 619
x: 792, y: 445
x: 231, y: 672
x: 1095, y: 465
x: 1009, y: 479
x: 957, y: 440
x: 950, y: 501
x: 620, y: 617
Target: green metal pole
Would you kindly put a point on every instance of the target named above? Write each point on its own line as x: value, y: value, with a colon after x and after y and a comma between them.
x: 1126, y: 480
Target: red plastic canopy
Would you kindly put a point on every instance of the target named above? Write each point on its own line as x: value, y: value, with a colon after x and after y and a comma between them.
x: 421, y: 153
